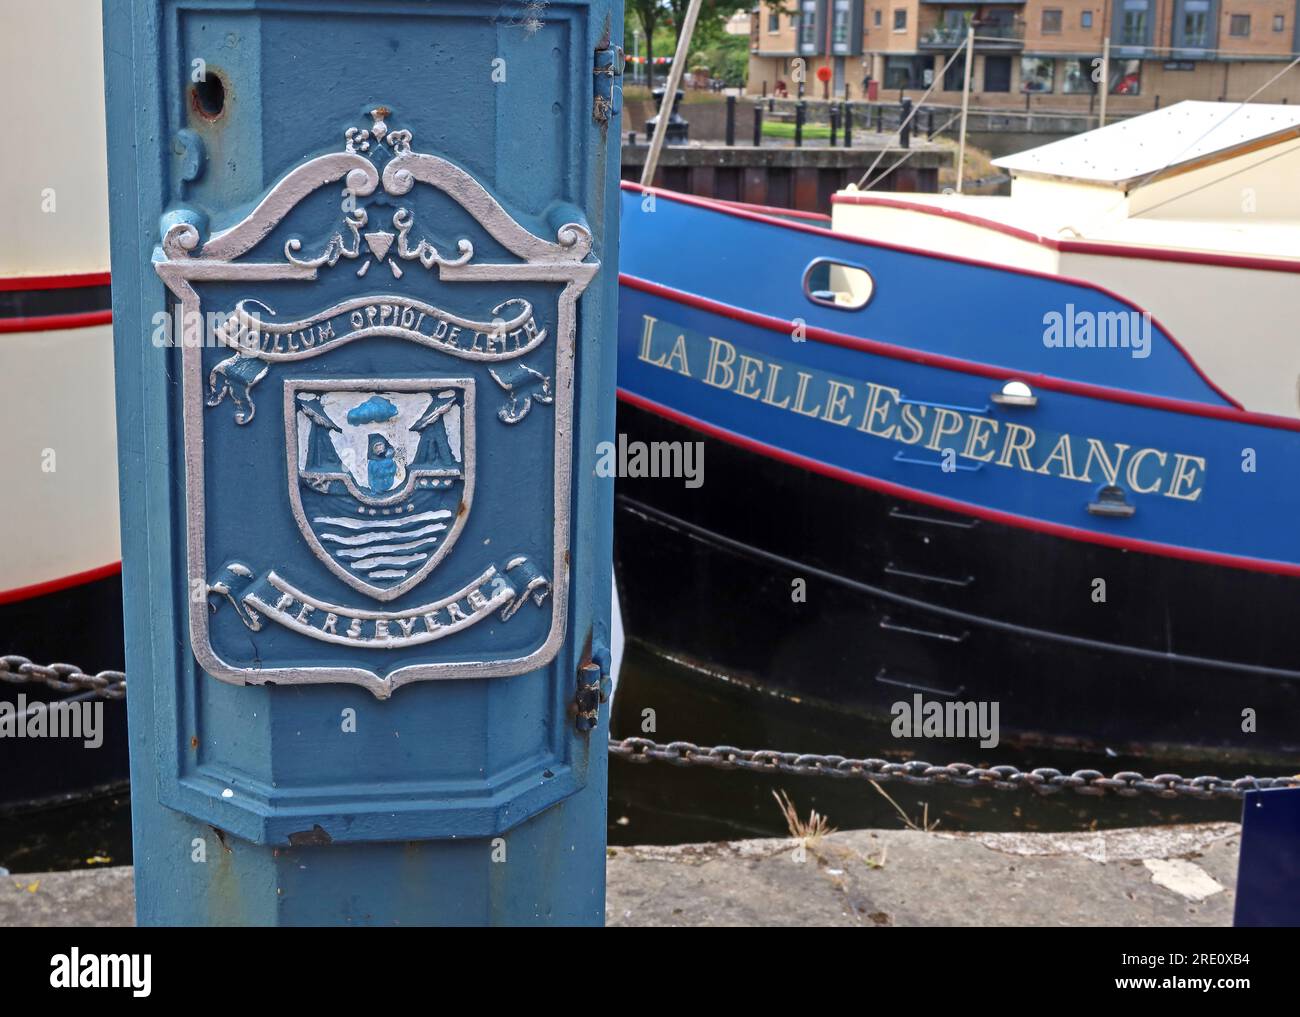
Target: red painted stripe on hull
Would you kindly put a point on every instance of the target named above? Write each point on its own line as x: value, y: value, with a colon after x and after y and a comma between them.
x: 53, y: 282
x: 790, y: 213
x: 55, y: 322
x: 780, y: 325
x: 687, y: 199
x: 1101, y: 248
x: 62, y: 583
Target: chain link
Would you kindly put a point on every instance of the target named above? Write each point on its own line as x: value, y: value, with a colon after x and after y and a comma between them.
x: 1043, y: 780
x: 16, y: 670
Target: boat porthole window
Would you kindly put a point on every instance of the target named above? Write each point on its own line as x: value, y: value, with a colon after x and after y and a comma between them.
x: 837, y: 284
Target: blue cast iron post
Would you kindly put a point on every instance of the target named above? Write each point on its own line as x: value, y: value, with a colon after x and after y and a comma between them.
x: 364, y: 274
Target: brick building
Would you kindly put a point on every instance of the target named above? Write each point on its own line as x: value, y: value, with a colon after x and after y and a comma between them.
x: 1042, y: 51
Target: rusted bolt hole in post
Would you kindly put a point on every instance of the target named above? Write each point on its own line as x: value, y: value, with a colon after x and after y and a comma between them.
x: 208, y: 97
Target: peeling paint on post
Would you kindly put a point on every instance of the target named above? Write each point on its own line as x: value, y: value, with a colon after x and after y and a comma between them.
x: 366, y: 554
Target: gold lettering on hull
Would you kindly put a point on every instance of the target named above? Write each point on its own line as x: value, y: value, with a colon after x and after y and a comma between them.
x: 879, y: 411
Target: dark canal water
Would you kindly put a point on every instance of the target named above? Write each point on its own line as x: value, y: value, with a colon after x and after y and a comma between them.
x: 657, y: 803
x: 654, y: 803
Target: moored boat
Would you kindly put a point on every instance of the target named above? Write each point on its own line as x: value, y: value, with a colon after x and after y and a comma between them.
x: 921, y: 456
x: 938, y: 465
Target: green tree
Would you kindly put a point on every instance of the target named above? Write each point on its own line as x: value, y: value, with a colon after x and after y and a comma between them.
x: 648, y: 14
x: 708, y: 27
x: 727, y: 59
x: 652, y: 15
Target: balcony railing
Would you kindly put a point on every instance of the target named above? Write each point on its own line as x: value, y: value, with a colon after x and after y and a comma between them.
x: 986, y: 36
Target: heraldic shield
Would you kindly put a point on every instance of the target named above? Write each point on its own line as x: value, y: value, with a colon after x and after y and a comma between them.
x: 381, y: 474
x: 378, y: 404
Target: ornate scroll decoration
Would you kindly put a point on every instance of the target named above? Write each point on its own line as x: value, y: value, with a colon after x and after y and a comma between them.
x: 370, y: 157
x: 387, y: 471
x: 524, y: 386
x: 378, y: 244
x: 425, y: 251
x: 336, y: 247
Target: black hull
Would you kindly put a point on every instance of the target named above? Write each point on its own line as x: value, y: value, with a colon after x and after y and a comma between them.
x: 904, y: 599
x: 82, y: 626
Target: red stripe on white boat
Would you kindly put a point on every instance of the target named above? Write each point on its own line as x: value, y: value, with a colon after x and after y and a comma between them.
x: 56, y: 322
x: 53, y: 282
x: 62, y: 583
x: 1067, y: 246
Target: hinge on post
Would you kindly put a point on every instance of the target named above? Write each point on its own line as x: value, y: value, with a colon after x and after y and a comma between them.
x: 593, y: 689
x: 608, y: 92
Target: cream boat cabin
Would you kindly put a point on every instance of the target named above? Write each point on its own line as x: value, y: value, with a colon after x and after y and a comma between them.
x: 1191, y: 212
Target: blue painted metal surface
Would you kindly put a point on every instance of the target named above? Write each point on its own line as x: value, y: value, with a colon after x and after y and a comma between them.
x: 1268, y: 870
x: 881, y: 395
x: 393, y: 228
x: 950, y: 308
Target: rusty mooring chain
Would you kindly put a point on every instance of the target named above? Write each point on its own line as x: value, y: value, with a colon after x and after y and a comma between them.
x: 1044, y: 780
x: 16, y: 670
x: 62, y: 677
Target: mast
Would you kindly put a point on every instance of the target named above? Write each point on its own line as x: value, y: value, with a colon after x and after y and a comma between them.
x: 670, y: 91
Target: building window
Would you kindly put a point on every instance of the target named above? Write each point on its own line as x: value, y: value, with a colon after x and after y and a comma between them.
x: 774, y: 22
x: 1051, y: 23
x: 908, y: 71
x: 808, y: 28
x: 900, y: 20
x: 951, y: 30
x: 997, y: 74
x: 1126, y: 77
x: 1037, y: 74
x: 875, y: 17
x: 1239, y: 25
x: 1279, y: 23
x: 1196, y: 23
x: 1133, y: 23
x: 840, y: 24
x: 1076, y: 75
x: 1085, y: 19
x: 954, y: 78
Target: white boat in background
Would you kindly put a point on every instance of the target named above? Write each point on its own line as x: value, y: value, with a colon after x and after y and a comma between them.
x: 1191, y: 212
x: 60, y: 589
x: 60, y: 460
